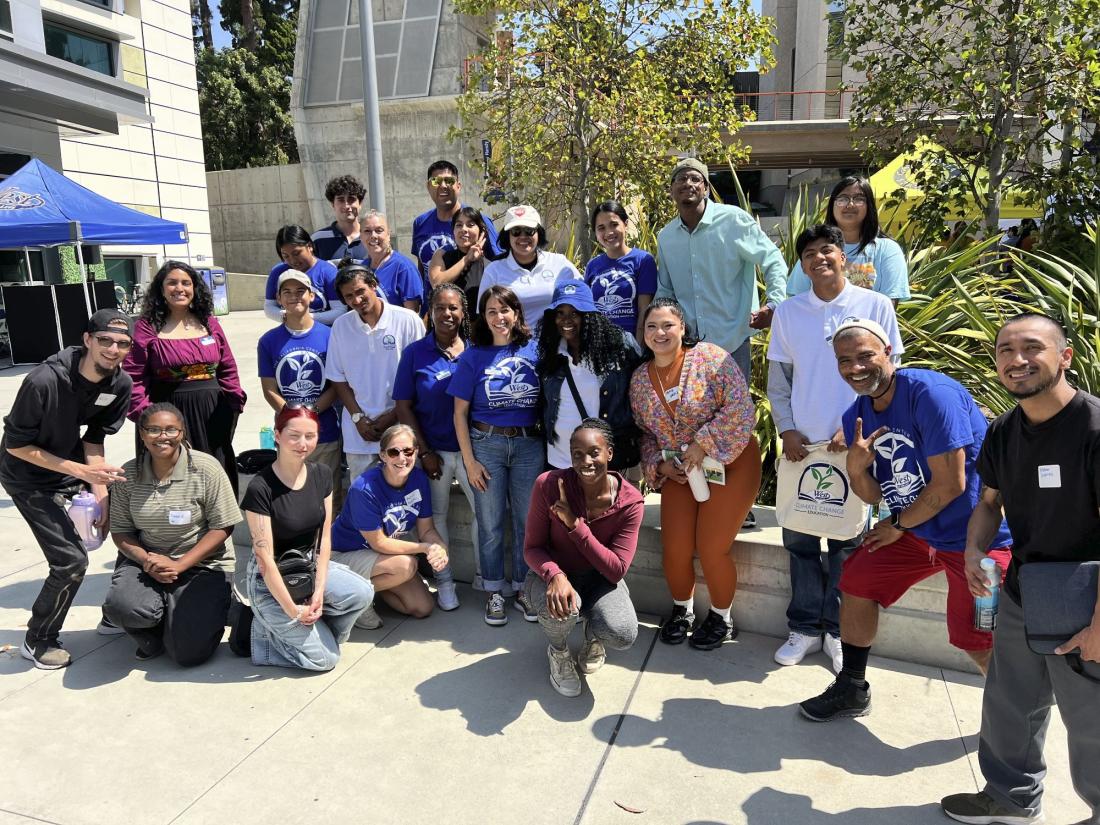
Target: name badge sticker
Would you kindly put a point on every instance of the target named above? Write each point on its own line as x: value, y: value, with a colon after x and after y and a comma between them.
x: 672, y: 394
x: 1050, y: 476
x: 179, y: 517
x: 207, y: 340
x: 105, y: 398
x: 413, y: 498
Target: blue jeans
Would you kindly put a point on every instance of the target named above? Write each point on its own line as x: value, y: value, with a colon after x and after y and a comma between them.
x: 815, y: 598
x: 742, y: 356
x: 514, y: 464
x: 284, y: 642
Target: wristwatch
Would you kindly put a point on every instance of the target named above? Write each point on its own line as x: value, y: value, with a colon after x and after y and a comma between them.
x: 357, y: 417
x: 895, y: 521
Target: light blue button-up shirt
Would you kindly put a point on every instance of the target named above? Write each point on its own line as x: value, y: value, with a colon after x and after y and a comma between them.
x: 711, y: 272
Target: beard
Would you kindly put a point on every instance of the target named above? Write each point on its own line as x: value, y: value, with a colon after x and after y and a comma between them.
x: 1041, y: 387
x: 103, y: 371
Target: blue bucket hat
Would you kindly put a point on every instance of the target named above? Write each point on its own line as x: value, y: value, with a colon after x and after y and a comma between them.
x: 575, y: 293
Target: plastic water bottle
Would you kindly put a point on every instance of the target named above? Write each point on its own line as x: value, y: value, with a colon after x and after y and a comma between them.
x: 985, y: 607
x: 697, y: 481
x: 84, y: 512
x: 267, y: 438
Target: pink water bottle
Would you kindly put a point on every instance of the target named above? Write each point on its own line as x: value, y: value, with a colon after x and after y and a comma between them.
x: 84, y: 512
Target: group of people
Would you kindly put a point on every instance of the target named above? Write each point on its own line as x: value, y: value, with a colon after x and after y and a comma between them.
x: 546, y: 394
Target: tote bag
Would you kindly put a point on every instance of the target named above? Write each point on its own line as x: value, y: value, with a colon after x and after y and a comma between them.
x: 814, y: 496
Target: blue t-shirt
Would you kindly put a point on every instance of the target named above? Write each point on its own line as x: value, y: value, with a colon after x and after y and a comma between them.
x: 329, y: 243
x: 880, y: 267
x: 398, y: 279
x: 500, y: 383
x: 430, y: 233
x: 616, y: 285
x: 423, y: 375
x: 930, y: 414
x: 323, y: 276
x: 372, y: 504
x: 297, y: 363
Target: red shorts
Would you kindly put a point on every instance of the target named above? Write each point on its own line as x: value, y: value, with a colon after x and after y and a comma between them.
x: 884, y: 575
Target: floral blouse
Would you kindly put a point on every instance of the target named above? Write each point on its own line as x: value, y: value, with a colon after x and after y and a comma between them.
x: 715, y: 409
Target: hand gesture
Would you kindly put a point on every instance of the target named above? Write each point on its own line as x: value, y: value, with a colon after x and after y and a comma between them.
x: 837, y: 444
x: 794, y: 445
x: 478, y: 475
x: 561, y: 508
x: 861, y: 454
x: 432, y: 465
x: 476, y: 250
x: 562, y: 600
x: 882, y: 534
x: 436, y: 554
x: 160, y: 567
x: 100, y: 474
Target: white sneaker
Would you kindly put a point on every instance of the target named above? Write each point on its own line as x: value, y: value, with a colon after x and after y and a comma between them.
x: 834, y: 652
x: 446, y: 596
x: 369, y: 619
x: 592, y: 656
x: 796, y: 648
x: 563, y: 673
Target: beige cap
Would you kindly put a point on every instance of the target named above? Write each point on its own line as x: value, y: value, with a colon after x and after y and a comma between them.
x: 521, y: 215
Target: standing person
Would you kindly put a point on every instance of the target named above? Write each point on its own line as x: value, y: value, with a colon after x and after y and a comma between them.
x: 288, y: 506
x: 528, y: 270
x: 808, y: 398
x: 433, y: 230
x: 690, y: 398
x: 341, y: 238
x: 913, y: 437
x: 422, y: 403
x: 874, y: 261
x: 496, y: 392
x: 44, y: 457
x: 464, y: 263
x: 171, y: 521
x: 363, y: 354
x: 181, y: 355
x: 582, y: 534
x: 1039, y: 466
x: 291, y: 360
x: 397, y: 276
x: 585, y: 364
x: 386, y: 524
x: 623, y: 280
x: 296, y: 251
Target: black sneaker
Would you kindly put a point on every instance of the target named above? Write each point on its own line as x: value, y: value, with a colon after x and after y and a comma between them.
x: 843, y: 698
x: 750, y: 521
x: 712, y: 632
x: 149, y: 651
x: 982, y: 809
x: 677, y: 626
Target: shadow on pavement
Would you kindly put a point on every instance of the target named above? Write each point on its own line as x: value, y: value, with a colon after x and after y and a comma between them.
x: 771, y: 807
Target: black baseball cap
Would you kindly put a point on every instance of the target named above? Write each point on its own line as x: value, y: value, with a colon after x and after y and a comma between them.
x: 111, y: 320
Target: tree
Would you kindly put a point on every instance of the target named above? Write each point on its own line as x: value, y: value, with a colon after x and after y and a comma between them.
x: 201, y: 28
x: 587, y: 99
x: 1007, y: 89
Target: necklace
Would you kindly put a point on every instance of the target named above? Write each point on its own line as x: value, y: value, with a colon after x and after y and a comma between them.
x: 612, y: 486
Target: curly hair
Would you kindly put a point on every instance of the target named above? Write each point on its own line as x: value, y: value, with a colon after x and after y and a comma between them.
x: 464, y: 326
x: 154, y: 308
x: 345, y: 185
x: 603, y: 345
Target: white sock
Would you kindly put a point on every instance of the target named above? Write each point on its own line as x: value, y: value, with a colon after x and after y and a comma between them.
x: 725, y: 614
x: 688, y: 603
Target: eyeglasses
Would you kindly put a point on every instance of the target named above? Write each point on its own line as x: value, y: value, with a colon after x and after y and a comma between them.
x: 442, y: 180
x: 171, y: 432
x: 523, y: 232
x: 694, y: 180
x: 394, y: 452
x: 845, y: 200
x: 296, y: 405
x: 107, y: 342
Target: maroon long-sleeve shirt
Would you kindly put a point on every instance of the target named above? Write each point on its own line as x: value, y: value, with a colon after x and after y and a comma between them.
x: 607, y: 543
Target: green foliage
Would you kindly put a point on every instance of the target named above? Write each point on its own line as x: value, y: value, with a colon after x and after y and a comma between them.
x: 70, y: 269
x: 1007, y: 89
x: 587, y: 100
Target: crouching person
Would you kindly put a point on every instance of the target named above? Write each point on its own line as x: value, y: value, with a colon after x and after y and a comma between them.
x: 582, y: 533
x: 171, y: 519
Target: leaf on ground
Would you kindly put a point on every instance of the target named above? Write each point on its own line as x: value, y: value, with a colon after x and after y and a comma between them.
x: 629, y: 809
x: 9, y: 649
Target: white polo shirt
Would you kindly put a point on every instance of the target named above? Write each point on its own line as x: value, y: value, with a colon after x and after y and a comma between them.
x: 802, y: 335
x: 533, y: 287
x: 366, y: 358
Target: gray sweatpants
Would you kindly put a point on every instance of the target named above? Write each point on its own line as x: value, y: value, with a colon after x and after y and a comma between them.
x: 1019, y: 691
x: 608, y: 612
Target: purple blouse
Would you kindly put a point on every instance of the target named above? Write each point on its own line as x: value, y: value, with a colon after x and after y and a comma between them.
x: 172, y: 360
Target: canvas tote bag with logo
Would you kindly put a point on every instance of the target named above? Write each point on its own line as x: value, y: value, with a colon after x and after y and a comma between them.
x: 814, y: 496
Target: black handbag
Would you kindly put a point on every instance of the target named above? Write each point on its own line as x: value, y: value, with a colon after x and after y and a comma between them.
x: 298, y: 567
x: 627, y: 452
x: 1059, y: 600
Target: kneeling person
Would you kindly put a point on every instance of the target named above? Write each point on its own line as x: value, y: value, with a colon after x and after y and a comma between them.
x: 582, y: 533
x: 913, y: 439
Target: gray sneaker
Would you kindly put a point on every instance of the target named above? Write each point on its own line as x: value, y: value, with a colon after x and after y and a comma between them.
x: 592, y: 656
x: 982, y: 809
x: 369, y: 619
x: 563, y: 673
x: 494, y: 610
x: 524, y: 606
x: 46, y: 656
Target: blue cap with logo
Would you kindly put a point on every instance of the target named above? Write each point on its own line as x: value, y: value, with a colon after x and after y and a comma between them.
x: 575, y: 293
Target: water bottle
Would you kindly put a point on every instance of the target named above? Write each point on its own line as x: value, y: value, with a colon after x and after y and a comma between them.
x: 267, y: 438
x: 84, y: 512
x: 985, y: 607
x: 697, y: 481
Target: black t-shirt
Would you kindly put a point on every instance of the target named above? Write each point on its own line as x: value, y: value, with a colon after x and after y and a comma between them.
x: 1049, y: 478
x: 296, y: 515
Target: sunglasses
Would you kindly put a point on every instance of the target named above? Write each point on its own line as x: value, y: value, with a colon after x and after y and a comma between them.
x: 442, y: 180
x: 107, y: 342
x: 523, y: 232
x: 394, y: 452
x: 171, y: 432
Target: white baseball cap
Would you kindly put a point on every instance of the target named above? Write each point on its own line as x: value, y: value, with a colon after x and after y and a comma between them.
x: 521, y: 215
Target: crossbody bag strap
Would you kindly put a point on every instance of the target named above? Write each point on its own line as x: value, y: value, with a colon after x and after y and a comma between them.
x: 574, y: 391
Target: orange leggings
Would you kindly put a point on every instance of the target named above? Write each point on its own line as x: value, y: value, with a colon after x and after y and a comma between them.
x: 710, y: 528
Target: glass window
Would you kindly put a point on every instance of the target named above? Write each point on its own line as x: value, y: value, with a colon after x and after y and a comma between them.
x: 81, y: 49
x: 5, y: 20
x: 13, y: 266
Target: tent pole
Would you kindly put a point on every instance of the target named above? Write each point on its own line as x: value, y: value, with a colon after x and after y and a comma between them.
x: 83, y: 277
x: 27, y: 259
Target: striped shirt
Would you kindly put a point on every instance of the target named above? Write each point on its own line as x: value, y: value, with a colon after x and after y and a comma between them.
x: 171, y: 516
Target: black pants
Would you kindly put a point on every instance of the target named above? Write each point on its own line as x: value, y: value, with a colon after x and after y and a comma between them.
x: 44, y: 512
x: 188, y: 615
